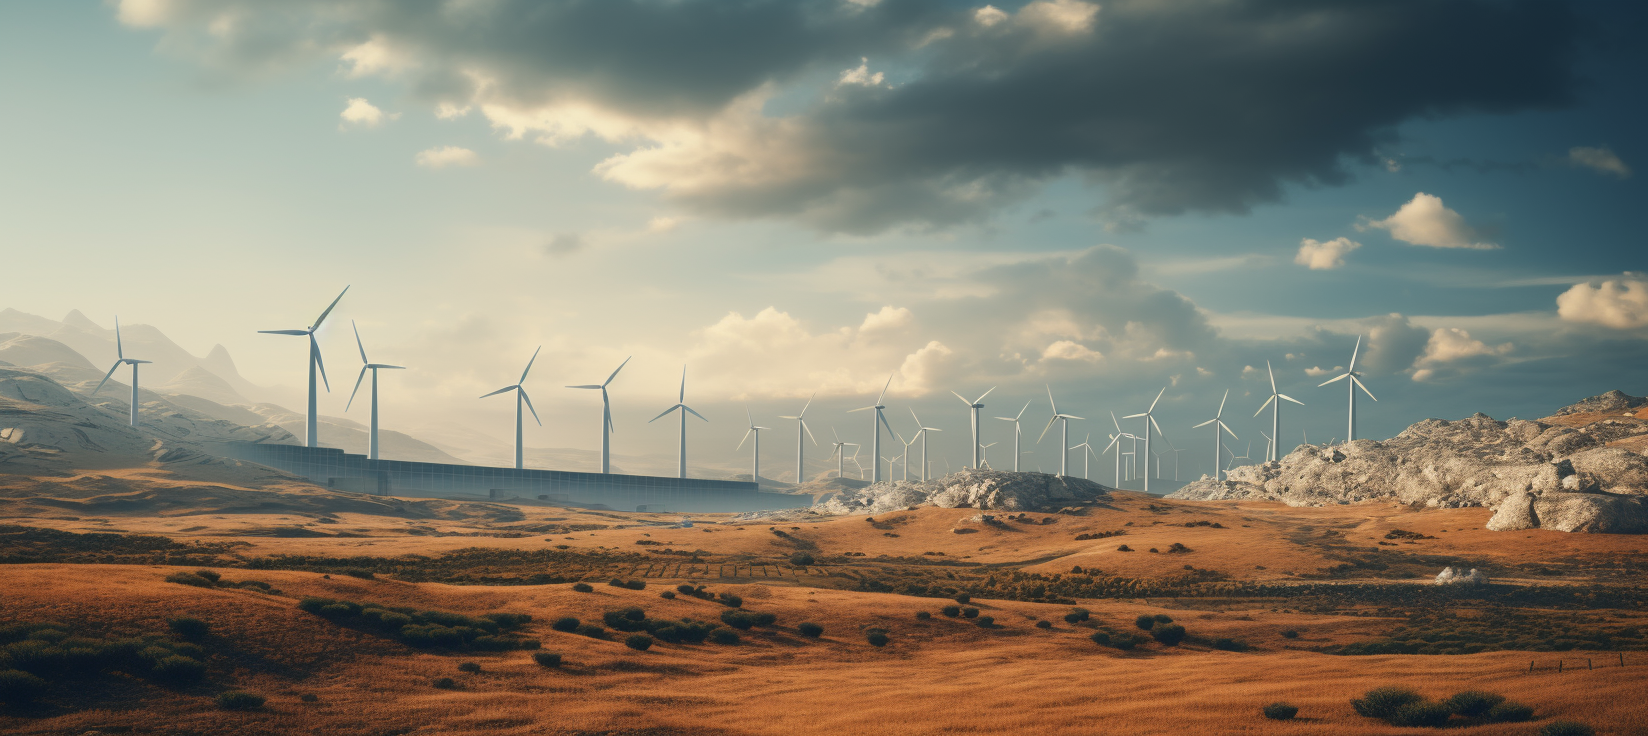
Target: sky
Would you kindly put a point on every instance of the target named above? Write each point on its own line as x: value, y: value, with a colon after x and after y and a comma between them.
x: 1104, y: 200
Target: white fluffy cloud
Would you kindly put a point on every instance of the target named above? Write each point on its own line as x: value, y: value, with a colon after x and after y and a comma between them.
x: 1425, y: 221
x: 861, y: 76
x: 1618, y: 303
x: 440, y: 158
x: 1320, y: 256
x: 1071, y: 350
x: 1451, y: 347
x: 1598, y: 159
x: 363, y: 114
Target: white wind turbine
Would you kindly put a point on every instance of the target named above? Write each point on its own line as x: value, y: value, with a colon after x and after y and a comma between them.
x: 755, y: 459
x: 681, y: 406
x: 119, y: 360
x: 372, y: 445
x: 1270, y: 443
x: 1017, y: 433
x: 1116, y: 442
x: 1234, y: 457
x: 1064, y: 432
x: 520, y: 396
x: 801, y: 419
x: 1087, y: 453
x: 854, y: 458
x: 875, y: 428
x: 1149, y: 424
x: 840, y: 455
x: 1355, y: 383
x: 311, y: 436
x: 985, y: 455
x: 1218, y: 442
x: 921, y: 434
x: 606, y: 414
x: 975, y: 405
x: 905, y: 455
x: 1276, y: 399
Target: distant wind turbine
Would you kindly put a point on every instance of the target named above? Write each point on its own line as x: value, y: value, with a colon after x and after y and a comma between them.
x: 854, y: 458
x: 365, y: 366
x: 1355, y: 383
x: 1218, y: 442
x: 1064, y: 432
x: 921, y: 434
x: 875, y: 429
x: 801, y: 419
x: 680, y: 406
x: 1275, y: 402
x: 755, y: 458
x: 121, y: 359
x: 985, y: 455
x: 1149, y: 424
x: 311, y: 437
x: 1017, y: 433
x: 905, y: 455
x: 520, y: 396
x: 606, y: 414
x: 840, y: 454
x: 1087, y: 452
x: 975, y: 405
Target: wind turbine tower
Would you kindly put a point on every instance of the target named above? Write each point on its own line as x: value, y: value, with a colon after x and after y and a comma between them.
x: 606, y: 414
x: 681, y: 406
x: 1355, y: 383
x: 840, y: 454
x: 801, y: 419
x: 755, y: 460
x: 1087, y: 453
x: 310, y: 436
x: 975, y: 405
x: 1149, y: 424
x: 1064, y: 432
x: 1218, y: 442
x: 121, y: 359
x: 921, y: 434
x: 1275, y: 404
x: 365, y: 366
x: 520, y: 396
x: 1017, y: 433
x: 875, y: 430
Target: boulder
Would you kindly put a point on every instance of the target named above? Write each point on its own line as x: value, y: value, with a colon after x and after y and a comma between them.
x: 980, y: 489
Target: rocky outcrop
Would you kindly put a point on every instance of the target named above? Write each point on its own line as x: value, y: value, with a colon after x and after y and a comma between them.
x: 980, y: 489
x: 1611, y: 401
x: 1521, y: 468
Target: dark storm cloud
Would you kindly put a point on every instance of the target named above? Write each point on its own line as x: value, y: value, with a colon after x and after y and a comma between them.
x: 1210, y: 106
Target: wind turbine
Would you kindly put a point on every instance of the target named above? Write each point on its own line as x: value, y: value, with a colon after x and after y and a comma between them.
x: 840, y: 454
x: 801, y: 419
x: 1064, y: 437
x: 606, y: 413
x: 1275, y: 411
x: 119, y: 359
x: 975, y: 405
x: 1355, y: 383
x: 854, y: 458
x: 921, y: 434
x: 311, y: 437
x: 1218, y: 442
x: 520, y: 396
x: 985, y: 455
x: 1016, y: 434
x: 680, y: 405
x: 1234, y: 457
x: 875, y: 429
x: 906, y: 454
x: 755, y: 461
x: 1270, y: 443
x: 1087, y: 452
x: 365, y: 366
x: 1149, y: 423
x: 1116, y: 442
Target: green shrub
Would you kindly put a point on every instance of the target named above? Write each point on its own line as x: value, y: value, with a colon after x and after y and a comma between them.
x: 685, y: 589
x: 1101, y: 638
x: 1229, y: 645
x: 565, y: 623
x: 17, y: 687
x: 969, y: 612
x: 1423, y: 713
x: 1145, y: 621
x: 985, y: 622
x: 809, y: 629
x: 923, y: 615
x: 1081, y: 612
x: 1509, y: 712
x: 1566, y: 728
x: 1125, y: 642
x: 731, y: 599
x: 951, y: 611
x: 1281, y: 711
x: 741, y: 620
x: 592, y: 631
x: 583, y: 587
x: 211, y: 576
x: 638, y: 642
x: 1045, y: 624
x: 1163, y: 618
x: 1072, y: 618
x: 636, y: 584
x: 766, y: 618
x: 445, y: 683
x: 185, y: 578
x: 963, y: 598
x: 239, y: 700
x: 628, y: 619
x: 724, y: 636
x: 1168, y: 634
x: 876, y: 637
x: 1474, y: 704
x: 1382, y: 702
x: 1289, y: 634
x: 177, y: 670
x: 470, y: 667
x: 667, y: 595
x: 802, y: 559
x: 547, y: 659
x: 190, y: 629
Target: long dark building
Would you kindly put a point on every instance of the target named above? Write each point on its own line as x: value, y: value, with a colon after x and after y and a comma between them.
x: 337, y: 469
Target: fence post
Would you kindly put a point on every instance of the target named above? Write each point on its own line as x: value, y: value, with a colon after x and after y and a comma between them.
x: 1531, y: 665
x: 1587, y: 663
x: 1559, y: 665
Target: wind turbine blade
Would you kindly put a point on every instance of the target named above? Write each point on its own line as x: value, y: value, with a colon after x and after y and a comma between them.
x: 528, y: 400
x: 1133, y: 416
x: 529, y: 363
x: 1333, y: 380
x: 747, y: 415
x: 1021, y: 411
x: 615, y: 371
x: 963, y: 399
x: 746, y: 438
x: 807, y: 406
x: 1353, y: 354
x: 1227, y: 431
x: 884, y: 423
x: 283, y: 332
x: 1073, y: 416
x: 319, y: 363
x: 1204, y: 424
x: 386, y: 365
x: 1158, y: 427
x: 1113, y: 440
x: 1050, y: 400
x: 1272, y: 372
x: 106, y: 377
x: 119, y: 349
x: 1158, y: 399
x: 358, y: 380
x: 837, y: 435
x: 1007, y: 419
x: 986, y: 393
x: 587, y: 385
x: 1113, y: 421
x: 1222, y: 401
x: 358, y: 344
x: 499, y: 391
x: 322, y: 317
x: 1262, y: 406
x: 884, y: 388
x: 135, y: 361
x: 683, y: 399
x: 696, y: 414
x: 665, y: 413
x: 1290, y: 398
x: 809, y: 432
x: 862, y: 408
x: 1048, y: 427
x: 1358, y: 382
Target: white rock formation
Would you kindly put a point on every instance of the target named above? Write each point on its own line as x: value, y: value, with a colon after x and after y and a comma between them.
x: 981, y: 489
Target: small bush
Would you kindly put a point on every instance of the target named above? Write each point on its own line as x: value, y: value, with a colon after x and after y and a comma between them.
x: 638, y: 642
x: 964, y: 598
x: 802, y: 559
x: 765, y: 618
x: 685, y: 589
x: 567, y: 623
x: 583, y: 587
x: 1082, y: 613
x: 810, y: 629
x: 1101, y: 638
x: 1281, y: 711
x: 985, y: 622
x: 969, y: 612
x: 1474, y: 704
x: 1382, y: 702
x: 356, y: 572
x: 592, y: 631
x: 309, y: 698
x: 1289, y: 634
x: 187, y: 628
x: 1163, y: 618
x: 1124, y: 548
x: 445, y: 683
x: 741, y: 620
x: 238, y: 700
x: 1229, y: 645
x: 667, y: 595
x: 178, y: 671
x: 470, y: 667
x: 636, y: 584
x: 18, y: 687
x: 1145, y: 621
x: 1072, y: 618
x: 923, y: 615
x: 1566, y: 728
x: 1125, y: 642
x: 951, y: 611
x: 1509, y: 712
x: 731, y: 599
x: 724, y: 636
x: 1421, y: 714
x: 1044, y: 624
x: 185, y: 578
x: 547, y: 659
x: 1168, y: 634
x: 209, y: 575
x: 876, y: 637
